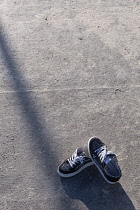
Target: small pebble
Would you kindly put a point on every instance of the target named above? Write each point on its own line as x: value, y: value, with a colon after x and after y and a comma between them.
x: 117, y: 90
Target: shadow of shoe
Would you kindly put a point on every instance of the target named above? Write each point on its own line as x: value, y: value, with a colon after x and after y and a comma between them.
x: 95, y: 193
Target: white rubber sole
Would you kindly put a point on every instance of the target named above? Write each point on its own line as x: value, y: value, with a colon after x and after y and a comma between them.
x: 76, y: 172
x: 98, y: 166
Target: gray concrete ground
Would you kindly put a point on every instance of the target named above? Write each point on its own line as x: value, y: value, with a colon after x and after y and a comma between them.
x: 69, y: 70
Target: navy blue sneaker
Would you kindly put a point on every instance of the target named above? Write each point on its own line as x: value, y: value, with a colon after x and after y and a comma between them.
x: 104, y: 160
x: 76, y: 163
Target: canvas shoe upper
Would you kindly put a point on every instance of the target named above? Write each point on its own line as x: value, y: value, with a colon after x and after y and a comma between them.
x: 105, y: 160
x: 76, y: 163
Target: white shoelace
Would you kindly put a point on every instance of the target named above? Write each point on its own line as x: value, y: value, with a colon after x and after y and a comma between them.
x: 75, y: 159
x: 102, y: 152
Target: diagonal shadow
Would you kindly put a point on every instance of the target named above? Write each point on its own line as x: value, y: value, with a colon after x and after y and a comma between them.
x: 41, y: 143
x: 88, y: 186
x: 95, y: 193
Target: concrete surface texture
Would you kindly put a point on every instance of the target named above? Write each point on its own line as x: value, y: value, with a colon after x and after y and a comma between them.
x: 69, y: 70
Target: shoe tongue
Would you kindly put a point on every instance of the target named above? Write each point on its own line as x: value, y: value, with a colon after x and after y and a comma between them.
x: 80, y: 152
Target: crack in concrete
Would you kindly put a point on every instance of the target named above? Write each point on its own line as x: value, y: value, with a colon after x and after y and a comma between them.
x: 68, y: 89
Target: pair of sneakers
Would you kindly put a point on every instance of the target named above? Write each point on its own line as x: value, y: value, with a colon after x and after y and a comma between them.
x: 96, y: 153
